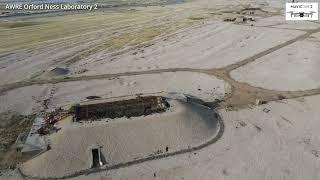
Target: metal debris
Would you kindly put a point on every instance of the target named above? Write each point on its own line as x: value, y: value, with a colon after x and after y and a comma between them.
x: 266, y: 110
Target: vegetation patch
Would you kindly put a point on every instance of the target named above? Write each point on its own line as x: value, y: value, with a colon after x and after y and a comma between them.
x: 215, y: 14
x: 18, y: 35
x: 18, y: 24
x: 119, y: 42
x: 11, y: 125
x: 196, y: 18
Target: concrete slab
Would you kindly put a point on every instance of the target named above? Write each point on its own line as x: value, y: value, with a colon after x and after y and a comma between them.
x: 34, y: 142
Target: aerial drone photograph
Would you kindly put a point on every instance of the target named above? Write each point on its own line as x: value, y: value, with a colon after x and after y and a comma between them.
x: 159, y: 89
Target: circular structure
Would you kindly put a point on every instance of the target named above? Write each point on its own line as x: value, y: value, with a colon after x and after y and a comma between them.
x: 84, y: 147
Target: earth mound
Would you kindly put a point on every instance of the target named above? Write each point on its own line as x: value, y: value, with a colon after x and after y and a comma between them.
x: 184, y: 126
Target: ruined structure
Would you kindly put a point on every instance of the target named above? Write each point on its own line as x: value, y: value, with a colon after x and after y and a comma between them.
x: 125, y: 108
x: 91, y: 146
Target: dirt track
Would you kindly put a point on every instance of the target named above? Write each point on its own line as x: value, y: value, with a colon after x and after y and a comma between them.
x: 242, y: 93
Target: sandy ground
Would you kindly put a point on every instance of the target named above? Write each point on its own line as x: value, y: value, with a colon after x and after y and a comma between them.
x: 281, y: 144
x: 289, y: 69
x: 207, y: 88
x: 104, y: 42
x: 25, y: 100
x: 201, y: 47
x: 280, y: 23
x: 55, y: 41
x: 29, y: 99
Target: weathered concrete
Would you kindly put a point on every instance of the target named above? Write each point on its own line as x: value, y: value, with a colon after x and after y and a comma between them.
x: 35, y: 143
